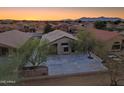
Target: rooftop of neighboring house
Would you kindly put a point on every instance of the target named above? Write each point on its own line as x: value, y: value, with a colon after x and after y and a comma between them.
x: 14, y: 38
x: 57, y: 34
x: 121, y: 24
x: 36, y: 34
x: 122, y: 33
x: 103, y: 35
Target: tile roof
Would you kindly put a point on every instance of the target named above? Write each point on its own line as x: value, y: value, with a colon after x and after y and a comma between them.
x: 57, y: 34
x: 103, y: 35
x: 14, y: 38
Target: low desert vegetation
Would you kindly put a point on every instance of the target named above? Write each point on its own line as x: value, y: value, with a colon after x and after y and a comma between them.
x: 115, y: 68
x: 87, y: 43
x: 30, y: 52
x: 34, y: 52
x: 100, y: 24
x: 48, y: 28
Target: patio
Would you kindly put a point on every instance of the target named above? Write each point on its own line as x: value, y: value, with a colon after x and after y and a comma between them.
x: 72, y: 64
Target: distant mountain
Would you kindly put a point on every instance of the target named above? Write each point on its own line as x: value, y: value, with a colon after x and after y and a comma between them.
x: 88, y: 19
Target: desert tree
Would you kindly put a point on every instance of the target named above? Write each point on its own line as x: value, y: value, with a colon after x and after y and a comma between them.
x: 115, y: 67
x: 48, y: 28
x: 87, y: 43
x: 8, y: 72
x: 35, y: 51
x: 100, y: 24
x: 117, y: 22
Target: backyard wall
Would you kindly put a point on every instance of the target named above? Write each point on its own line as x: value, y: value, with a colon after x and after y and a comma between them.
x: 96, y: 78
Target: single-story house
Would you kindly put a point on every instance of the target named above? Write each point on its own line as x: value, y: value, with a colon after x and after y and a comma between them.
x: 113, y: 41
x: 36, y: 35
x: 11, y: 40
x: 59, y: 41
x: 121, y: 25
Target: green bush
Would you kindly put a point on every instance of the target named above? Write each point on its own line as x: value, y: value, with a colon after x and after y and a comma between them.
x: 100, y: 24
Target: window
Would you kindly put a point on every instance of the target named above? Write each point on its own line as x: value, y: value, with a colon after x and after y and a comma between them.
x: 65, y: 49
x: 122, y: 46
x: 122, y: 41
x: 64, y: 44
x: 5, y: 51
x: 114, y: 47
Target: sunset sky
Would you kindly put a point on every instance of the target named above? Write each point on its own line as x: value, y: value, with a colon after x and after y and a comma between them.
x: 58, y: 13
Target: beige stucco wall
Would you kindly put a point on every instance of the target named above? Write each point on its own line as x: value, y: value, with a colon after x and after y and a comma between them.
x: 60, y: 47
x: 108, y: 44
x: 82, y: 79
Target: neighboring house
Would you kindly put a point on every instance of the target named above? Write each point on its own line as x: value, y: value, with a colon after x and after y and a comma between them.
x: 36, y: 35
x: 59, y: 41
x: 111, y: 25
x: 114, y: 41
x: 11, y: 40
x: 121, y: 25
x: 122, y: 33
x: 62, y: 26
x: 73, y: 29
